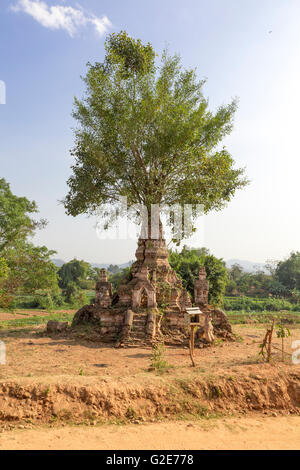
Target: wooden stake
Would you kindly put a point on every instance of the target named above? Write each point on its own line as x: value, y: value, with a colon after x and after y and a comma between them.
x: 193, y: 338
x: 270, y: 340
x: 191, y: 345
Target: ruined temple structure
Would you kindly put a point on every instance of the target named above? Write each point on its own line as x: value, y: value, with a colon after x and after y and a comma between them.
x: 221, y: 325
x: 103, y: 291
x: 149, y: 304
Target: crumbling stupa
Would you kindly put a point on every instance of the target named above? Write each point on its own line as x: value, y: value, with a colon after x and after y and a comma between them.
x: 149, y: 304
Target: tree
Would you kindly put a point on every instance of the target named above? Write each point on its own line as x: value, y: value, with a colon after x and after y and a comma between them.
x: 235, y: 272
x: 3, y: 269
x: 93, y: 273
x: 113, y: 268
x: 5, y: 299
x: 145, y: 132
x: 24, y: 268
x: 187, y: 265
x: 30, y: 269
x: 217, y: 277
x: 73, y: 272
x: 231, y: 287
x: 288, y: 271
x: 118, y: 277
x: 74, y: 295
x: 16, y: 223
x: 277, y: 289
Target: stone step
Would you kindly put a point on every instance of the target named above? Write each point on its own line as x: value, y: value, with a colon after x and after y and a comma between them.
x: 139, y: 322
x: 138, y: 334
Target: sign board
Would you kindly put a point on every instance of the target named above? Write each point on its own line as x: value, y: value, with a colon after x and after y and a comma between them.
x: 193, y: 311
x: 192, y: 315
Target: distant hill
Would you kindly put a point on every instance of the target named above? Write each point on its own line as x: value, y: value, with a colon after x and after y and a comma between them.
x: 121, y: 266
x: 59, y: 262
x: 248, y: 266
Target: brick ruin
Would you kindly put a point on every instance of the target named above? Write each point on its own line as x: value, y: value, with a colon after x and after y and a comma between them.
x: 150, y: 302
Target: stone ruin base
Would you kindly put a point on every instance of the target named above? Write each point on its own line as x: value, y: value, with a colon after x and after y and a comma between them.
x: 150, y: 303
x: 148, y: 326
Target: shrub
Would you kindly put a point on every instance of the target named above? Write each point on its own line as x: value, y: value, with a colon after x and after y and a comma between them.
x: 157, y: 361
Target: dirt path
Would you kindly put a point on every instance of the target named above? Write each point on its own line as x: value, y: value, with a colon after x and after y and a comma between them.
x: 233, y: 433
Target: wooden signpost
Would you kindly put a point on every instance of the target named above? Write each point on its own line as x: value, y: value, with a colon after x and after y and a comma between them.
x: 192, y: 317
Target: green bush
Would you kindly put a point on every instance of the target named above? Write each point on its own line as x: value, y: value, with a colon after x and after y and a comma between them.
x: 45, y: 302
x: 42, y: 301
x: 75, y: 296
x: 187, y: 264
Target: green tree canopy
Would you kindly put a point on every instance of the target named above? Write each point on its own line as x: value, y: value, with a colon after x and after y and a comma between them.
x: 113, y: 269
x: 24, y: 268
x: 288, y: 271
x: 145, y: 132
x: 3, y: 269
x: 235, y: 272
x: 30, y: 269
x: 74, y: 271
x: 16, y: 223
x: 118, y: 277
x: 187, y: 264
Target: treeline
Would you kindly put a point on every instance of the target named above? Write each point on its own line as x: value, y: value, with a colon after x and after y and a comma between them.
x: 235, y: 289
x: 282, y: 280
x: 248, y: 304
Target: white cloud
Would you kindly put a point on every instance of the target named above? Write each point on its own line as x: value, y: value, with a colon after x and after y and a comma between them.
x: 101, y: 24
x: 61, y: 17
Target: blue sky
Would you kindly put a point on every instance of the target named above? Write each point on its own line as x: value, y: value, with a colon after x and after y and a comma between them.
x: 43, y: 52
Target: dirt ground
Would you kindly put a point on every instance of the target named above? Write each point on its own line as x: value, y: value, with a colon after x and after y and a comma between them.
x: 63, y: 392
x: 244, y: 433
x: 29, y: 354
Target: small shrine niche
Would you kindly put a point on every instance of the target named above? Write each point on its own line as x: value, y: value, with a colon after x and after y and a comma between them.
x: 144, y: 296
x: 143, y: 291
